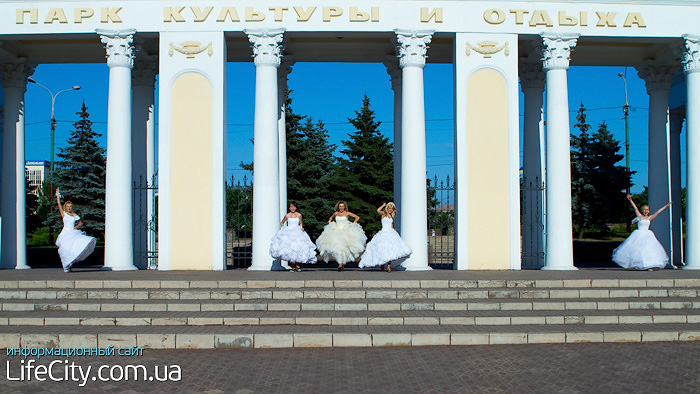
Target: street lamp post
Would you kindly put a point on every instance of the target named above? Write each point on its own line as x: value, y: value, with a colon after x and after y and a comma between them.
x: 626, y: 113
x: 53, y: 118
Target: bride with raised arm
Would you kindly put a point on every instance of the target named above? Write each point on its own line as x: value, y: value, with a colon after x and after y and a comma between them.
x: 641, y: 250
x: 73, y: 244
x: 386, y: 246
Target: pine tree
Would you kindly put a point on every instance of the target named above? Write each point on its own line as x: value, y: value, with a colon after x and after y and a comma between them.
x: 365, y: 176
x: 310, y: 163
x: 597, y: 183
x: 32, y: 208
x: 583, y: 197
x: 80, y: 176
x: 609, y: 179
x: 310, y: 168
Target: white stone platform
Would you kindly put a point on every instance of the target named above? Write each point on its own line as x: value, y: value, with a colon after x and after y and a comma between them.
x: 323, y: 307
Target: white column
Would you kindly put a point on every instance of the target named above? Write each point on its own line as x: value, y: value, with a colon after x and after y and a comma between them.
x: 151, y: 176
x: 559, y: 254
x: 13, y: 208
x: 394, y: 71
x: 676, y: 124
x: 119, y: 242
x: 412, y: 47
x: 691, y: 67
x: 532, y: 79
x: 284, y: 70
x: 658, y: 84
x: 143, y: 78
x: 267, y: 52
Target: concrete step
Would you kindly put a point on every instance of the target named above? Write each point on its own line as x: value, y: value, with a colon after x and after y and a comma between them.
x: 339, y: 318
x: 296, y: 281
x: 208, y: 337
x: 339, y: 312
x: 349, y: 305
x: 345, y: 293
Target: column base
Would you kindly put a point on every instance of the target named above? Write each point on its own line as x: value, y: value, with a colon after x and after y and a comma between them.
x: 559, y: 268
x: 280, y: 265
x: 413, y: 265
x: 260, y: 267
x: 15, y: 267
x: 128, y: 268
x: 428, y: 268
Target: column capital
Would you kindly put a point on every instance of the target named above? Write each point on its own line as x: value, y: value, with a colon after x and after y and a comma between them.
x: 691, y: 54
x: 657, y: 76
x: 120, y: 52
x: 15, y: 74
x: 394, y: 70
x: 144, y: 73
x: 411, y: 46
x: 556, y: 50
x: 532, y: 76
x: 267, y: 46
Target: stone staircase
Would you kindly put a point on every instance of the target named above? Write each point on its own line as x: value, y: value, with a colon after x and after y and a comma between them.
x: 325, y: 313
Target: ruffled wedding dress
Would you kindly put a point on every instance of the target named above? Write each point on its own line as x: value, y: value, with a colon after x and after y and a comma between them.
x: 341, y: 240
x: 291, y: 243
x: 641, y: 250
x: 73, y: 245
x: 385, y: 246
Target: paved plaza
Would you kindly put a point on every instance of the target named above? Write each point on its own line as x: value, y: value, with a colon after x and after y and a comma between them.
x: 572, y: 368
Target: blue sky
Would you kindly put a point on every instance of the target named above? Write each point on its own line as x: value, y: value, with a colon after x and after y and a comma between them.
x: 332, y: 92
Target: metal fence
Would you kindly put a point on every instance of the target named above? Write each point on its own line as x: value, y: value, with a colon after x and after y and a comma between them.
x: 441, y: 223
x: 532, y: 223
x: 239, y: 223
x: 146, y: 223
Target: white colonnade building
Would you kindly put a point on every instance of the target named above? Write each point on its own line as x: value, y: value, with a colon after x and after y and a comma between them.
x: 496, y: 48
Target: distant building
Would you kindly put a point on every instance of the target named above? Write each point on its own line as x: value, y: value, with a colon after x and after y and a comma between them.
x: 35, y: 171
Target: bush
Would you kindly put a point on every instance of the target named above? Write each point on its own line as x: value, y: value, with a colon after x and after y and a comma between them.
x: 39, y: 237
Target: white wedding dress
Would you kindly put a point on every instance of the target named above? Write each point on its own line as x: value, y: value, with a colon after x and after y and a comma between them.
x: 291, y: 243
x: 341, y: 240
x: 385, y: 246
x: 641, y: 250
x: 73, y: 245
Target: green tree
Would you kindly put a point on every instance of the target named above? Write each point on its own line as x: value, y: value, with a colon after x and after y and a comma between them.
x: 582, y: 190
x: 310, y: 164
x: 310, y: 168
x: 365, y: 174
x: 80, y: 176
x: 609, y: 179
x: 597, y: 182
x: 34, y: 221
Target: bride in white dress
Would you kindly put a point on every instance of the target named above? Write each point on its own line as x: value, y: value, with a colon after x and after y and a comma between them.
x: 386, y: 246
x: 291, y: 243
x: 641, y: 250
x: 341, y: 239
x: 73, y: 244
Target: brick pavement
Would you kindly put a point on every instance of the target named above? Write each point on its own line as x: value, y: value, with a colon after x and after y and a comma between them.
x: 571, y: 368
